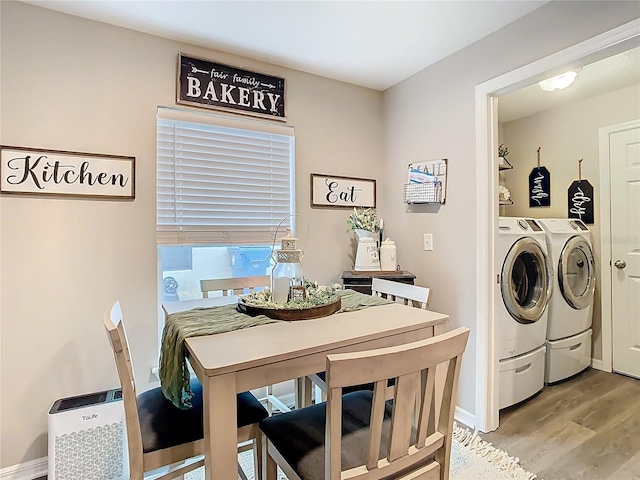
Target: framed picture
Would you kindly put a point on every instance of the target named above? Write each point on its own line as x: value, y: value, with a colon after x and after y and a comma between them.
x: 38, y: 171
x: 331, y: 191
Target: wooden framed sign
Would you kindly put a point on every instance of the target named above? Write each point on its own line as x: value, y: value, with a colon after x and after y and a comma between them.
x: 55, y: 172
x: 221, y: 87
x: 333, y: 191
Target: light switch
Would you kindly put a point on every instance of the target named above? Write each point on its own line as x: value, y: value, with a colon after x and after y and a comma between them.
x: 428, y: 241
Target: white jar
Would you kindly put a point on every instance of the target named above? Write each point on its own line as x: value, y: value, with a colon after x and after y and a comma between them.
x: 388, y: 260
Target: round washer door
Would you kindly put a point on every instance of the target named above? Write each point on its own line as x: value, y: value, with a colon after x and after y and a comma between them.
x: 526, y: 281
x: 576, y: 273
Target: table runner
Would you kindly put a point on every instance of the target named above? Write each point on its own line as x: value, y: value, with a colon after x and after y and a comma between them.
x: 174, y: 371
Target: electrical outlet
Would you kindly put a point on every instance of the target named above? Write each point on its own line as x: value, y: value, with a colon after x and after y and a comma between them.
x: 428, y: 241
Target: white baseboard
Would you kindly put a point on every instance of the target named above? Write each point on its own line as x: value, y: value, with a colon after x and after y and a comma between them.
x: 26, y: 471
x: 467, y: 418
x: 597, y: 364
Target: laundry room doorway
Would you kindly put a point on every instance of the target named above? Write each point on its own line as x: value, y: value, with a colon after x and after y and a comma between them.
x: 610, y: 43
x: 620, y: 260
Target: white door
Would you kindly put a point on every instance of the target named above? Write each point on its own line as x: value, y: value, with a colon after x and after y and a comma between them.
x: 625, y: 250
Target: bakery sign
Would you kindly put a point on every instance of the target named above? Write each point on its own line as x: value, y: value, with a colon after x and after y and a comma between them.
x: 202, y: 83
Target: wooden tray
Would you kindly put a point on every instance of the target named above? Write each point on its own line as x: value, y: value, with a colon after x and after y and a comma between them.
x: 290, y: 313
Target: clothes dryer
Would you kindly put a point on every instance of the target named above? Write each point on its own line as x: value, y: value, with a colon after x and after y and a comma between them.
x: 571, y: 306
x: 525, y: 286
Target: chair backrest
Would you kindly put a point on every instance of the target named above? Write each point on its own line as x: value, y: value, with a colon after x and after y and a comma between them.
x: 234, y: 285
x: 401, y: 292
x: 413, y: 433
x: 118, y: 340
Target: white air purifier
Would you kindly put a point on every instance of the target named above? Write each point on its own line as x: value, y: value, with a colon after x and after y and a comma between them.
x: 87, y: 438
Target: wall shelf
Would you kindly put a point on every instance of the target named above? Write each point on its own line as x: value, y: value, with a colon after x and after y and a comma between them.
x: 503, y: 164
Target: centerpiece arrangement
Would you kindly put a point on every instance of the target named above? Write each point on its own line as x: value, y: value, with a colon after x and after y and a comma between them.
x: 319, y: 301
x: 291, y: 296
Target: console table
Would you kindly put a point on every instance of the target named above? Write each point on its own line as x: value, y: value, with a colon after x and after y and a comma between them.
x: 360, y: 281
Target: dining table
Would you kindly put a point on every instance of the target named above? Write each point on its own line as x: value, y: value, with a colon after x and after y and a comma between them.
x: 241, y: 360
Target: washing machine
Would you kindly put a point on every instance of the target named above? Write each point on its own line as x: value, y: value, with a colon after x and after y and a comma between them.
x: 571, y: 306
x: 525, y: 287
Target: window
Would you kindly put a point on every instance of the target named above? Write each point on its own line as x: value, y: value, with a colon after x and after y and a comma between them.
x: 224, y: 186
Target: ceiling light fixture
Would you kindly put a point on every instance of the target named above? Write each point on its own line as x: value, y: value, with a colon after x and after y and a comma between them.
x: 558, y: 82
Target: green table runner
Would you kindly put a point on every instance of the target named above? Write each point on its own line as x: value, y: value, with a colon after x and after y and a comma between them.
x: 174, y: 372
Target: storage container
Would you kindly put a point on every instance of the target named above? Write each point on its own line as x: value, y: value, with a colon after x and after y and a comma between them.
x: 521, y: 377
x: 568, y: 356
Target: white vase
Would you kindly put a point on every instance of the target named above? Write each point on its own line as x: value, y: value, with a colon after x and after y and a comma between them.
x: 365, y: 234
x: 367, y: 255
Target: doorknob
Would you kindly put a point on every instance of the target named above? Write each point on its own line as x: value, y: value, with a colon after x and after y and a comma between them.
x: 620, y: 264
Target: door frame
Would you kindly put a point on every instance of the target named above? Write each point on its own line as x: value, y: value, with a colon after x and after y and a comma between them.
x: 601, y: 46
x: 605, y: 240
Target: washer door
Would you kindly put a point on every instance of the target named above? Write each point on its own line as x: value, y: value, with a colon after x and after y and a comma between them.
x: 526, y: 281
x: 576, y: 273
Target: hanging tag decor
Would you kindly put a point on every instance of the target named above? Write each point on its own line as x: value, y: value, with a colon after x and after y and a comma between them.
x: 539, y: 186
x: 580, y: 198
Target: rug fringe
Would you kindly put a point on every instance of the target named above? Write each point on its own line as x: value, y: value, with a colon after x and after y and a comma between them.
x: 498, y: 458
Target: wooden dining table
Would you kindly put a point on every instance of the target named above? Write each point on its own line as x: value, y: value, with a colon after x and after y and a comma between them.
x: 241, y: 360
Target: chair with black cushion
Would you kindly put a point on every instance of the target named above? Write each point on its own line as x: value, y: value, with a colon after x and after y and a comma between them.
x: 158, y: 433
x: 236, y: 285
x: 399, y: 292
x: 239, y: 286
x: 400, y: 432
x: 407, y: 294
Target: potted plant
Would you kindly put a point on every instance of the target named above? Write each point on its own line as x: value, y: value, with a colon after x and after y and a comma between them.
x: 363, y: 220
x: 503, y: 151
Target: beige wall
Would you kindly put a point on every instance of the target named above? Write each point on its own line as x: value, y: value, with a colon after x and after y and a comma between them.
x: 432, y: 115
x: 565, y: 135
x: 74, y: 84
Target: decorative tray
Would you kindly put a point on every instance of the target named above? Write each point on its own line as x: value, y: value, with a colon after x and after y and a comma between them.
x: 289, y: 313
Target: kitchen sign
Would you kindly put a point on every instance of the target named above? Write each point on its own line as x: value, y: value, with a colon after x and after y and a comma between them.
x: 334, y: 191
x: 54, y: 172
x: 202, y: 83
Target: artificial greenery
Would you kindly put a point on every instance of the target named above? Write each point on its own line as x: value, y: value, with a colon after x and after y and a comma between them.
x: 317, y: 295
x: 363, y: 219
x: 503, y: 151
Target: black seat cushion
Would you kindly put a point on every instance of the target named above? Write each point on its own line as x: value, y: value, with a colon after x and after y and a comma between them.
x: 299, y: 435
x: 163, y: 425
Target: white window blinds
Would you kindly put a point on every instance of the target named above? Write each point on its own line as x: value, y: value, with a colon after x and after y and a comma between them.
x: 219, y: 184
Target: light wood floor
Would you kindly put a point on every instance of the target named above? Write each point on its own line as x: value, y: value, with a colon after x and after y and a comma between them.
x: 585, y: 428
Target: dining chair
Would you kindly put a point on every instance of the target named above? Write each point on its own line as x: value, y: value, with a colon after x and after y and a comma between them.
x: 236, y: 285
x: 402, y: 431
x: 405, y: 293
x: 239, y: 286
x: 160, y: 434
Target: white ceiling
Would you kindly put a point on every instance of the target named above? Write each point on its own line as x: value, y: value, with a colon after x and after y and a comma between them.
x: 374, y: 44
x: 607, y: 75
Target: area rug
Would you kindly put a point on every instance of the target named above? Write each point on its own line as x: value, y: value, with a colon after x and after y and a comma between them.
x: 471, y: 459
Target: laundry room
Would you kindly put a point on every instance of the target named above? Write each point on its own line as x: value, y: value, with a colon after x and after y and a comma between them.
x: 549, y: 141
